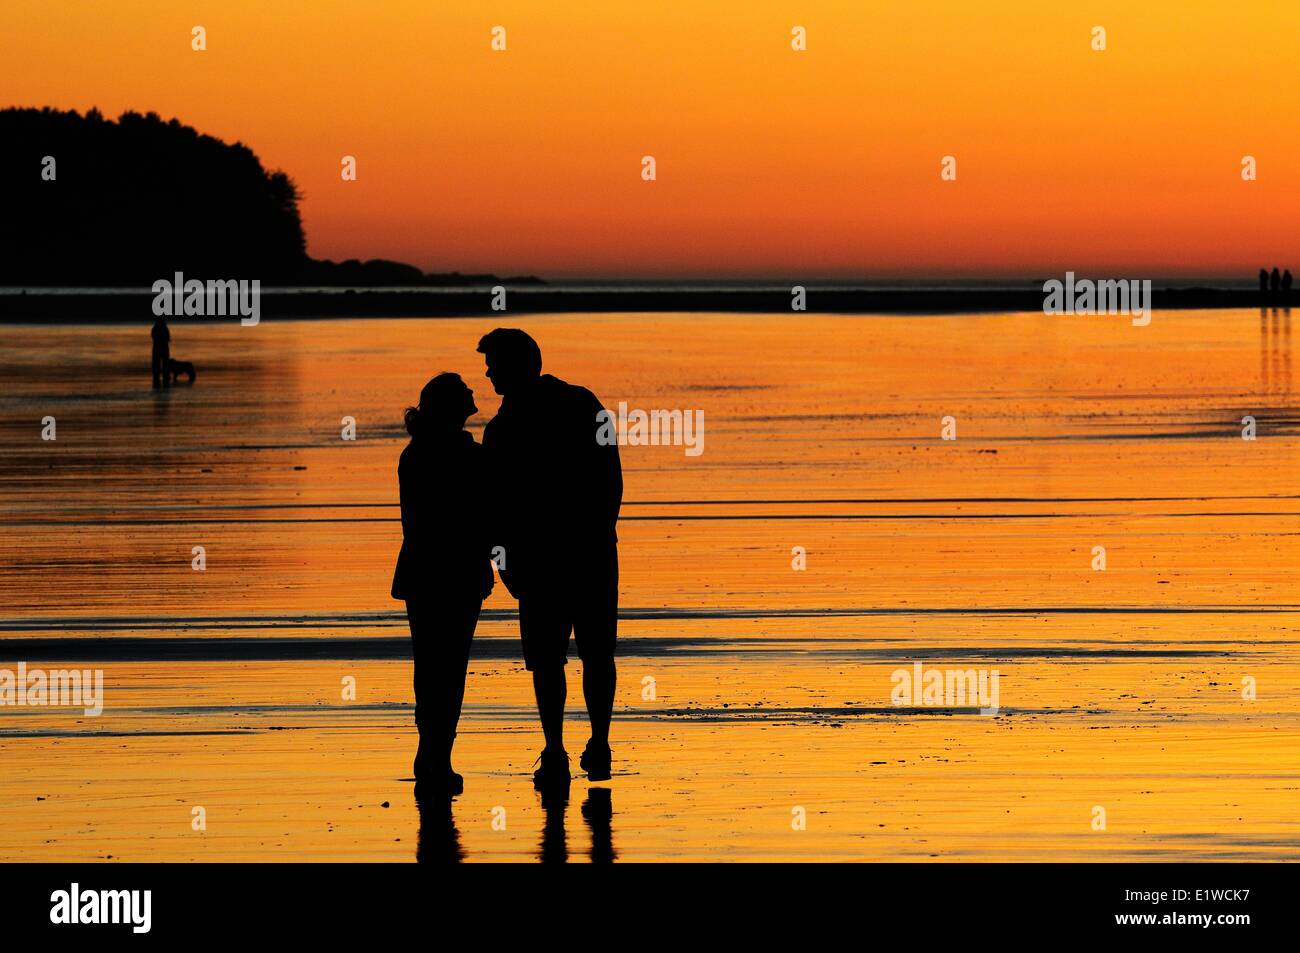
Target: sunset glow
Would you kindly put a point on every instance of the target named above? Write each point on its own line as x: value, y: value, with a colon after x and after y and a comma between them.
x: 770, y: 162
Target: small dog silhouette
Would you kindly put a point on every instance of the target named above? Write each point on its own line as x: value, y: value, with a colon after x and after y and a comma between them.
x: 176, y: 368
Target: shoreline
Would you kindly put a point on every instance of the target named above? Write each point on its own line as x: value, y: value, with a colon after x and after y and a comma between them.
x: 49, y: 307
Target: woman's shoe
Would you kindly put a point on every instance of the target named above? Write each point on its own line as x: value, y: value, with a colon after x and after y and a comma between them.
x: 425, y: 765
x: 446, y: 785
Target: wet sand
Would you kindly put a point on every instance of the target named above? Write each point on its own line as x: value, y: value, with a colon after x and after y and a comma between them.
x: 1120, y: 689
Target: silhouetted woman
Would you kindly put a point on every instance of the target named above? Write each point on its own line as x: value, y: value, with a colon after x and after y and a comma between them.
x: 443, y: 571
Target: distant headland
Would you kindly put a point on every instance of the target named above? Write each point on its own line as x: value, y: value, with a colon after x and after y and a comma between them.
x: 125, y: 213
x: 120, y: 208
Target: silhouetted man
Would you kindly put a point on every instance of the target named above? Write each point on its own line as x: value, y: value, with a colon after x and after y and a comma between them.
x: 1274, y: 280
x: 161, y: 352
x: 557, y: 496
x: 1263, y: 279
x: 1286, y: 280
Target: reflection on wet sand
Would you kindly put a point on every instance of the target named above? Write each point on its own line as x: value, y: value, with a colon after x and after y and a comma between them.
x: 554, y: 845
x: 438, y: 839
x: 1121, y: 688
x: 1275, y: 351
x: 598, y: 812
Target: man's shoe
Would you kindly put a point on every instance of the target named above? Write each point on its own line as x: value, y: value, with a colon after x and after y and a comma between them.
x: 596, y: 761
x: 554, y: 771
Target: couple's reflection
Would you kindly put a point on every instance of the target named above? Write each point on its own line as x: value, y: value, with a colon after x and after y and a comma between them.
x: 597, y: 813
x: 438, y: 840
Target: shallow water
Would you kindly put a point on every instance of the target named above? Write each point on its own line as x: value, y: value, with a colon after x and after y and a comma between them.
x: 1119, y: 689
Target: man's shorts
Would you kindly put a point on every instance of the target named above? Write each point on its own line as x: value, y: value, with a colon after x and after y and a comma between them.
x: 584, y: 601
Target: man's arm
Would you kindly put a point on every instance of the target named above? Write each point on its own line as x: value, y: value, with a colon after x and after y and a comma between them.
x: 605, y: 468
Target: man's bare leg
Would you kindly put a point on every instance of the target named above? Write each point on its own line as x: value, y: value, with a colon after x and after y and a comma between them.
x: 599, y: 681
x: 552, y: 690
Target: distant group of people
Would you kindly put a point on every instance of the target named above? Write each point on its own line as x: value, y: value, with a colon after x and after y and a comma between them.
x: 1272, y: 281
x: 539, y: 499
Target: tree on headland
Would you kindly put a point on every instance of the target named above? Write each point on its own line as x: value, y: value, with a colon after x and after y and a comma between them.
x: 88, y: 201
x: 91, y: 201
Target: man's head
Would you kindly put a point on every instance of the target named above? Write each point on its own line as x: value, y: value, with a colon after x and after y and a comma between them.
x: 513, y: 359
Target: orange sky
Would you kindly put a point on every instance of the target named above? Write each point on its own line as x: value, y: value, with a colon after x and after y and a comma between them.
x: 770, y: 162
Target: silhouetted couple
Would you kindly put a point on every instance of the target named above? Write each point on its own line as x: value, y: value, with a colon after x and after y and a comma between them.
x: 540, y: 498
x: 1272, y: 281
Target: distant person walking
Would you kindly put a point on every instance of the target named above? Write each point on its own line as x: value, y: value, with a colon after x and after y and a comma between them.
x: 557, y: 492
x: 1263, y: 279
x: 1286, y: 280
x: 162, y: 337
x: 443, y: 570
x: 1274, y: 280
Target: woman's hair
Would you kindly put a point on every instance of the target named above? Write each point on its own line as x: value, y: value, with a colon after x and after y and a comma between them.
x: 436, y: 400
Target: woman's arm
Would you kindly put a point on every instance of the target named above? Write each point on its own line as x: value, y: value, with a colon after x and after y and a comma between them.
x: 408, y: 495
